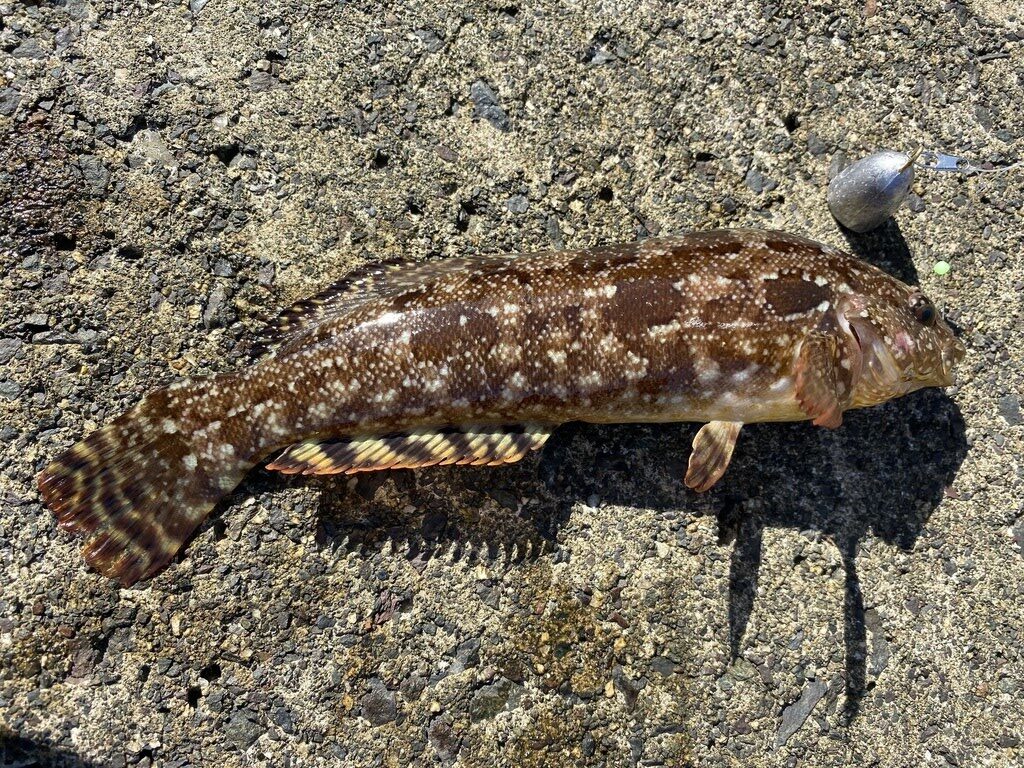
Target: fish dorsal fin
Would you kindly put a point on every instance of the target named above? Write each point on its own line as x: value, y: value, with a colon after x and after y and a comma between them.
x: 393, y: 277
x: 477, y: 445
x: 333, y: 301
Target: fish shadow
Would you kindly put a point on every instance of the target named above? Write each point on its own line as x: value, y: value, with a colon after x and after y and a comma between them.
x: 27, y: 753
x: 881, y: 474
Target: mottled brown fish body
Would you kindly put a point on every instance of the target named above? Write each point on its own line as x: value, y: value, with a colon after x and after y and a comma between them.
x: 476, y: 360
x: 693, y: 329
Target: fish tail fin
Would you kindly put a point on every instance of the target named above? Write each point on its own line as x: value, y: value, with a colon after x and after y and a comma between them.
x: 138, y: 487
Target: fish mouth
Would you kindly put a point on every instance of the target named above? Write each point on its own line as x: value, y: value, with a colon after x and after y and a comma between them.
x: 878, y: 373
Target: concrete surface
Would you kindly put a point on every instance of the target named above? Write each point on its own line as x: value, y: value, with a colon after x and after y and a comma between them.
x: 172, y: 172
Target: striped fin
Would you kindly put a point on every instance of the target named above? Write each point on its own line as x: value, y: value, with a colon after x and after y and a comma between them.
x: 394, y: 277
x: 712, y: 451
x: 476, y: 445
x: 137, y: 489
x: 333, y: 301
x: 823, y: 387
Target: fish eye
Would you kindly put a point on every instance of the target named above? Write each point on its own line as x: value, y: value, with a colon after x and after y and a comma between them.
x: 923, y: 310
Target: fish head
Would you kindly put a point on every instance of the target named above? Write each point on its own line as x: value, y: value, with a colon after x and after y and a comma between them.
x: 900, y: 341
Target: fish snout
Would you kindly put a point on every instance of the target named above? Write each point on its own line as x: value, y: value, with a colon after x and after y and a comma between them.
x: 952, y: 354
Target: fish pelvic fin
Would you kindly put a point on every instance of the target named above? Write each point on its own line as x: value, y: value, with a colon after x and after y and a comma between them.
x: 712, y: 451
x: 138, y: 487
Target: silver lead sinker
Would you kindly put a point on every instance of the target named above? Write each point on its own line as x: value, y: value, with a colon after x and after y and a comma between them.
x: 871, y: 190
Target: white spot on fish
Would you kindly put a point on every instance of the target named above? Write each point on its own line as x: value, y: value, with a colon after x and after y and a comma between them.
x: 745, y: 374
x: 660, y: 332
x: 708, y: 372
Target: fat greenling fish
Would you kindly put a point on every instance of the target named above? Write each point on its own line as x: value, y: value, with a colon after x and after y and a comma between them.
x: 476, y: 360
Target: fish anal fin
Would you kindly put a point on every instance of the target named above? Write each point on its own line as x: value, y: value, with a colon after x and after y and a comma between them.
x: 823, y: 385
x: 476, y: 445
x: 712, y: 451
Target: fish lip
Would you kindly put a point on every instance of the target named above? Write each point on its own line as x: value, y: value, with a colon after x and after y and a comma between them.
x: 952, y: 354
x: 958, y: 350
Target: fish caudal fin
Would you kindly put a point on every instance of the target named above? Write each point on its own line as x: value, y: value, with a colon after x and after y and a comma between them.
x: 137, y: 489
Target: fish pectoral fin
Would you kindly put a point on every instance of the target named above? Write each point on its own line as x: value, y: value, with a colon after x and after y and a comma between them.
x: 822, y: 386
x: 471, y: 444
x: 712, y: 452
